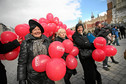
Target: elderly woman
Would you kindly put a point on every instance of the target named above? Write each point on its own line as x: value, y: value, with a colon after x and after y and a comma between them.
x: 35, y: 43
x: 91, y: 73
x: 61, y: 36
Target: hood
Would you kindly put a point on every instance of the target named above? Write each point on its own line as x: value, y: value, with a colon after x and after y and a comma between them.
x: 78, y: 26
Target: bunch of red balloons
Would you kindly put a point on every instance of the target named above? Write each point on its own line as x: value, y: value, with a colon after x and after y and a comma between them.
x: 6, y: 37
x: 50, y: 24
x: 54, y: 65
x: 102, y: 50
x: 56, y: 51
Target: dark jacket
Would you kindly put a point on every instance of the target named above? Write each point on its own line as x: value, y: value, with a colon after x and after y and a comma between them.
x: 82, y: 43
x: 5, y: 48
x: 24, y: 69
x: 101, y: 32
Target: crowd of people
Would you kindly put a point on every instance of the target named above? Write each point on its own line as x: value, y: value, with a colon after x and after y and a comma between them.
x: 36, y: 43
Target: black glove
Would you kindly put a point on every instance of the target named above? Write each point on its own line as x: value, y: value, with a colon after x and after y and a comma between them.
x: 22, y: 82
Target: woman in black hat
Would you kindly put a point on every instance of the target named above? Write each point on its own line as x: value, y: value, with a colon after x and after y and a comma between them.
x: 35, y: 43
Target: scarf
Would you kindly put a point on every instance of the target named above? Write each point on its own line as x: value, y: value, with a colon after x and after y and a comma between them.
x: 39, y: 47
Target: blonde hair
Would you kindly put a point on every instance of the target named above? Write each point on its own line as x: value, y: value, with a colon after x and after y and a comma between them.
x: 60, y: 30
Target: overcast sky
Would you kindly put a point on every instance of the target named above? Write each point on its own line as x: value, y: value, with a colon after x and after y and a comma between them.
x: 14, y: 12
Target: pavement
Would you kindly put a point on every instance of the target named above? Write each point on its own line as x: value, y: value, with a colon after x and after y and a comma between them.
x: 116, y: 74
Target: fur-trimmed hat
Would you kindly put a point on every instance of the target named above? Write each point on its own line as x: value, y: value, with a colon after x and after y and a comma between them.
x: 33, y: 24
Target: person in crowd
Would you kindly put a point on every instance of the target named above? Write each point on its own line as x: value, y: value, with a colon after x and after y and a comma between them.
x: 122, y: 30
x: 86, y: 48
x: 5, y: 48
x: 119, y: 33
x: 103, y: 31
x: 35, y: 43
x: 61, y: 36
x: 110, y: 40
x: 115, y: 32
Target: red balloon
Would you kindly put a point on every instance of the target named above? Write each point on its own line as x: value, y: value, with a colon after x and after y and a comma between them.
x: 45, y: 26
x: 57, y: 28
x: 56, y: 49
x: 2, y: 57
x: 68, y: 44
x: 11, y: 55
x: 55, y: 69
x: 110, y: 50
x: 72, y: 32
x: 21, y: 30
x: 68, y: 31
x: 17, y: 49
x: 75, y: 51
x: 39, y: 63
x: 64, y: 26
x: 60, y: 24
x: 51, y: 27
x: 70, y: 37
x: 99, y: 42
x: 98, y: 55
x: 43, y: 20
x: 114, y: 51
x: 27, y: 26
x: 64, y: 62
x: 8, y: 36
x: 49, y: 17
x: 71, y: 62
x: 56, y: 20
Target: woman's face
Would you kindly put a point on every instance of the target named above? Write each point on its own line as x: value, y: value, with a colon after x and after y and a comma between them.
x: 80, y: 29
x: 62, y: 34
x: 36, y: 32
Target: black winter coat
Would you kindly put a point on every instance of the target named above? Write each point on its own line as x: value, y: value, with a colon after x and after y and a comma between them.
x: 24, y: 69
x: 82, y: 43
x: 101, y: 32
x: 5, y: 48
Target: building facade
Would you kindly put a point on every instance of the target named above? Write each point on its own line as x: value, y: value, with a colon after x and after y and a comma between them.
x: 116, y: 13
x: 90, y: 24
x: 5, y: 28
